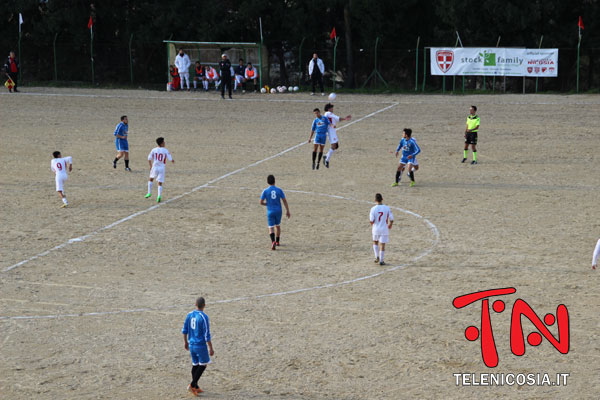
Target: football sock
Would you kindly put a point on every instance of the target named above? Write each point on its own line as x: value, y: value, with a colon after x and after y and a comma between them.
x: 465, y: 153
x: 411, y: 175
x: 194, y: 382
x: 195, y: 84
x: 381, y: 256
x: 277, y: 239
x: 115, y: 160
x: 149, y: 186
x: 329, y: 153
x: 398, y: 175
x: 197, y: 374
x: 64, y: 199
x: 272, y: 236
x: 314, y: 156
x: 126, y: 163
x: 159, y: 190
x: 474, y: 156
x: 320, y: 156
x: 375, y: 249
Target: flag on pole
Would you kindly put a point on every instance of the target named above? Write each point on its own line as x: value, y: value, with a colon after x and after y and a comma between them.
x: 20, y: 21
x: 9, y: 84
x: 90, y: 23
x: 580, y: 25
x: 332, y: 35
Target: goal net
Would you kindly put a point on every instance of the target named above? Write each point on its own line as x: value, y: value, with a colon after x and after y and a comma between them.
x: 209, y: 53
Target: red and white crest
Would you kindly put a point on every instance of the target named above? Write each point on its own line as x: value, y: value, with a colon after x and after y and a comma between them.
x: 444, y: 58
x: 530, y: 69
x: 544, y: 69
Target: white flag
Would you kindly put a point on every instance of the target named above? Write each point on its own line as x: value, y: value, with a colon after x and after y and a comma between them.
x: 20, y: 21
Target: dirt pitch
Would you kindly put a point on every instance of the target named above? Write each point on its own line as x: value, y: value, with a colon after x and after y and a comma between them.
x: 100, y: 316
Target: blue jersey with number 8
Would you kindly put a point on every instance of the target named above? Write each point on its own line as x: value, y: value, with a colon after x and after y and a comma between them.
x: 273, y: 195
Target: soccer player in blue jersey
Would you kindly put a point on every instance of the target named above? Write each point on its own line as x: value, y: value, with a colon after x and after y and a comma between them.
x: 196, y: 339
x: 410, y: 149
x: 272, y: 198
x: 121, y: 142
x: 319, y: 125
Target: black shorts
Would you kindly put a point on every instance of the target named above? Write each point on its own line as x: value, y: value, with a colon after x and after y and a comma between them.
x: 471, y: 138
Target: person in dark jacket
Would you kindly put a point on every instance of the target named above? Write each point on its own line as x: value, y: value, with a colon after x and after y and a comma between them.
x: 12, y: 69
x: 225, y: 67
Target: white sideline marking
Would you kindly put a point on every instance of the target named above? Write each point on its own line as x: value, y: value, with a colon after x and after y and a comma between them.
x: 426, y: 252
x: 125, y: 219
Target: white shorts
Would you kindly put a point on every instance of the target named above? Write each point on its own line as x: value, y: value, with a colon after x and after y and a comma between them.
x: 332, y: 137
x: 381, y: 238
x: 60, y: 181
x: 158, y: 174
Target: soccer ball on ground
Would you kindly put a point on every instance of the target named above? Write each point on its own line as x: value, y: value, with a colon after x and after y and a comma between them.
x: 263, y: 90
x: 283, y: 89
x: 273, y: 90
x: 296, y: 88
x: 332, y: 96
x: 290, y: 89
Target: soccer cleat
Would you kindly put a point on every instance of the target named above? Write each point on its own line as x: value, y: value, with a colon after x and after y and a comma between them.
x: 230, y: 98
x: 395, y: 184
x: 376, y: 260
x: 114, y: 164
x: 64, y: 205
x: 463, y: 160
x: 128, y: 169
x: 326, y: 163
x: 148, y: 195
x: 381, y: 263
x: 412, y: 184
x: 274, y: 246
x: 158, y: 199
x: 192, y: 390
x: 313, y: 165
x: 198, y: 390
x: 277, y: 243
x: 473, y: 162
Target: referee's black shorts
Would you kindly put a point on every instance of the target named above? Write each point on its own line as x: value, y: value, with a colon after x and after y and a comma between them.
x: 471, y: 138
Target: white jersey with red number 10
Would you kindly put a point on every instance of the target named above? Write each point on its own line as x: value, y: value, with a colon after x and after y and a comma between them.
x: 159, y: 157
x: 59, y: 165
x: 381, y: 215
x: 333, y: 119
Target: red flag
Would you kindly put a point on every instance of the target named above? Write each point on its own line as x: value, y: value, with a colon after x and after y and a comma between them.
x: 333, y: 35
x: 580, y: 24
x: 90, y: 23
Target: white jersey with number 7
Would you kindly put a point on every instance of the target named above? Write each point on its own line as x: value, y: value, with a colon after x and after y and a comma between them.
x: 380, y: 216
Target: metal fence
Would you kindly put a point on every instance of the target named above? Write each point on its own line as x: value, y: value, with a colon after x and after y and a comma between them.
x: 141, y: 63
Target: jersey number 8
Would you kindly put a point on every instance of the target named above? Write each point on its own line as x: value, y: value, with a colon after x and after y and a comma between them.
x: 273, y: 194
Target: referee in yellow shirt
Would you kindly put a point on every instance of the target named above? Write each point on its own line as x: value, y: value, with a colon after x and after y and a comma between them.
x: 471, y: 134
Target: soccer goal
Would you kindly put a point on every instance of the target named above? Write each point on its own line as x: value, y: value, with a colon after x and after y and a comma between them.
x: 209, y: 53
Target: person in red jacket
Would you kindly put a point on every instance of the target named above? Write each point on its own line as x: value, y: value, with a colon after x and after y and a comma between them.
x: 12, y: 69
x: 175, y: 76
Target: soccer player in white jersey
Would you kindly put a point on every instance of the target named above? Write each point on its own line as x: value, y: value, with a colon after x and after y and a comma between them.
x: 158, y: 159
x: 331, y: 130
x: 59, y: 166
x: 596, y: 254
x: 381, y: 220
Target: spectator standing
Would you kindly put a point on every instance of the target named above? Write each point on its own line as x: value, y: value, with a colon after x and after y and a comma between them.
x: 183, y: 63
x: 251, y: 74
x: 225, y: 71
x: 316, y: 70
x: 12, y: 69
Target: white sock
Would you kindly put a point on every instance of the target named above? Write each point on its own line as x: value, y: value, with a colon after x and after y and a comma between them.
x: 195, y: 84
x: 375, y: 249
x: 381, y: 256
x: 329, y: 153
x: 159, y: 190
x: 149, y: 186
x: 64, y: 199
x: 205, y: 84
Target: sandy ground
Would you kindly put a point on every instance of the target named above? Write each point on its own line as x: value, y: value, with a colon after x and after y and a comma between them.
x: 107, y: 311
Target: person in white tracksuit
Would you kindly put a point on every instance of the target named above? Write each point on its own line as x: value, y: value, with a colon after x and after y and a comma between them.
x: 595, y: 256
x: 182, y: 62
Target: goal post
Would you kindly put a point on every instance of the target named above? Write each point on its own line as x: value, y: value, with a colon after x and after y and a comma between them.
x: 209, y: 53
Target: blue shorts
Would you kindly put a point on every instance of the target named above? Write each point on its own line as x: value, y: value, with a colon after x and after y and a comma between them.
x: 274, y: 218
x: 199, y: 353
x: 321, y: 138
x: 405, y: 160
x: 122, y: 144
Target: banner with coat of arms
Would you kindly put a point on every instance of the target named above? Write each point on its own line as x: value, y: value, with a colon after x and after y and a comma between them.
x: 494, y: 61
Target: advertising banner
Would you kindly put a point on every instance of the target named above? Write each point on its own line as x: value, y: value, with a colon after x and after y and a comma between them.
x: 492, y: 61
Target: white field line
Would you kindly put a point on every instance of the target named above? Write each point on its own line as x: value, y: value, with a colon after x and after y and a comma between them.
x: 142, y: 212
x: 434, y: 230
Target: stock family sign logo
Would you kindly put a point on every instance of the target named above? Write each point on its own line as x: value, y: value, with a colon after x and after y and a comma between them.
x: 517, y: 339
